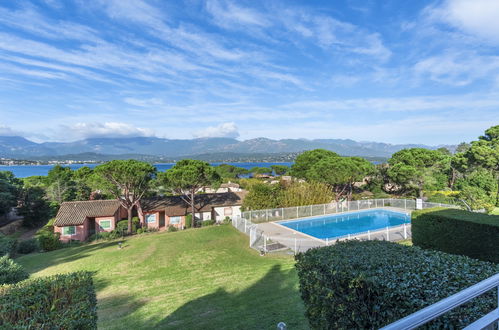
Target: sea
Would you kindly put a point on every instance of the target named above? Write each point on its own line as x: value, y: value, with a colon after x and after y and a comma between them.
x: 23, y: 171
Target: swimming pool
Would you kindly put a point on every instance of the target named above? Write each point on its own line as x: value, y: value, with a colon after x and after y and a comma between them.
x: 339, y: 225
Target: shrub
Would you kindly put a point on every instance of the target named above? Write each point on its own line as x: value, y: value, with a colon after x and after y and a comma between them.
x: 227, y: 220
x: 49, y: 241
x: 7, y: 245
x: 454, y: 231
x: 206, y: 223
x: 27, y: 246
x: 58, y: 302
x: 172, y: 229
x: 123, y: 225
x: 188, y: 221
x: 356, y: 285
x: 11, y: 272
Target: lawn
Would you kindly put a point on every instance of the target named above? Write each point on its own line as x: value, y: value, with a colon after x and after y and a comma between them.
x: 195, y: 279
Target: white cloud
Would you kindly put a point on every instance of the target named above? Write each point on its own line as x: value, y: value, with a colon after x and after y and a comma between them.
x: 229, y: 130
x: 227, y: 14
x: 144, y: 103
x: 108, y: 129
x: 8, y: 131
x: 476, y: 17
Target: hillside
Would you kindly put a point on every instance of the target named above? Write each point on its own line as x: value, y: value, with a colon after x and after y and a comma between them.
x: 21, y: 148
x: 194, y: 279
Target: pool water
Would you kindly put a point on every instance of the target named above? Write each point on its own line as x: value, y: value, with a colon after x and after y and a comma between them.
x: 338, y: 225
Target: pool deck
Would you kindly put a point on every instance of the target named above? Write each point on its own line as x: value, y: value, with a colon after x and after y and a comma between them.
x: 301, y: 242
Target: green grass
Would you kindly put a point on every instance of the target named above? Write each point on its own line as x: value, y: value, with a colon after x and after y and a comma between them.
x: 495, y: 211
x: 204, y: 279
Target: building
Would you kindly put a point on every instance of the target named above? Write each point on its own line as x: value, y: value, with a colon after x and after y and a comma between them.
x: 79, y: 220
x: 162, y: 212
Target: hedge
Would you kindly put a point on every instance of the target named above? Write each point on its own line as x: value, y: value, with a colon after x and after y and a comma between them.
x: 11, y: 272
x: 7, y: 245
x: 367, y: 285
x: 475, y: 235
x: 58, y: 302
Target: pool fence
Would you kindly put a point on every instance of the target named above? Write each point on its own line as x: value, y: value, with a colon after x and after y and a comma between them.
x: 267, y: 236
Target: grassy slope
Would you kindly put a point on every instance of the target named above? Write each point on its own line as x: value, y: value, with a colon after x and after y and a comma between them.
x: 205, y: 278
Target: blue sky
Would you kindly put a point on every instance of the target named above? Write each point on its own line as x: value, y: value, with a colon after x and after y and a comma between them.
x: 393, y: 71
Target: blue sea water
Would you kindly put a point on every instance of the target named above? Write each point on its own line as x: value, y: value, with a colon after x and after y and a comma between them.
x: 22, y: 171
x: 349, y: 223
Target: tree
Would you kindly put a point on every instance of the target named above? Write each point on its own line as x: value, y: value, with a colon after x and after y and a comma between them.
x: 82, y: 178
x: 262, y: 196
x: 279, y: 169
x: 33, y: 206
x: 9, y: 191
x: 340, y: 173
x: 61, y: 186
x: 260, y: 171
x: 306, y: 160
x: 415, y: 169
x: 227, y: 171
x: 479, y: 189
x: 186, y: 178
x: 305, y: 193
x: 126, y: 180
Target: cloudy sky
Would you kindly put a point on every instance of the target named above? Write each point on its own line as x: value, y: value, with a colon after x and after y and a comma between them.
x: 392, y: 71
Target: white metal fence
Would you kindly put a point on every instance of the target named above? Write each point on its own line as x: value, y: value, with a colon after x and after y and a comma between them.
x: 264, y: 238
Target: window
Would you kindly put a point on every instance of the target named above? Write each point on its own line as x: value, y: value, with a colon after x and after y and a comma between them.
x: 105, y: 224
x: 175, y: 220
x: 70, y: 230
x: 228, y: 211
x: 151, y: 218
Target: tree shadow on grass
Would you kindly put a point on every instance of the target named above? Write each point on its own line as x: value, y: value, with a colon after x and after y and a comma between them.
x: 63, y: 255
x: 274, y: 298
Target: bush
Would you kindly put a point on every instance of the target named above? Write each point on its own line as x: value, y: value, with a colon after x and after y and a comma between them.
x: 188, y: 221
x: 106, y: 235
x: 454, y: 231
x: 172, y: 229
x: 10, y: 272
x: 7, y: 245
x: 49, y: 241
x: 58, y: 302
x: 27, y: 246
x: 227, y: 220
x: 123, y: 225
x: 206, y: 223
x: 356, y: 285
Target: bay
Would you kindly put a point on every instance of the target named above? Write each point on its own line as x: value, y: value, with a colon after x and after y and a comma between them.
x: 23, y: 171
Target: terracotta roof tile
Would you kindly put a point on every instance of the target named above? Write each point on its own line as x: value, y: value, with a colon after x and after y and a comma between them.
x: 75, y: 213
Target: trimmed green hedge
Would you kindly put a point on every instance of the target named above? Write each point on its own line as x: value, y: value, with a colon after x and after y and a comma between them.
x: 475, y: 235
x: 367, y: 285
x: 11, y: 272
x: 58, y: 302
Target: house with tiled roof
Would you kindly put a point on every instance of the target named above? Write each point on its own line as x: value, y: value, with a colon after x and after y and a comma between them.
x: 79, y: 220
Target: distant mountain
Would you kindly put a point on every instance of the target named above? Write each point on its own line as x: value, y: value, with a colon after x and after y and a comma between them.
x: 19, y: 147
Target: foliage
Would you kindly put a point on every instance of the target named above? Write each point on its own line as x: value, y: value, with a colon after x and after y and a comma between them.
x: 110, y: 235
x: 122, y: 226
x: 127, y: 180
x: 255, y: 171
x: 172, y: 229
x: 49, y: 241
x: 58, y: 302
x: 60, y: 184
x: 307, y: 159
x: 280, y: 169
x: 206, y: 223
x: 366, y: 285
x: 262, y: 196
x: 227, y: 220
x: 454, y: 231
x: 416, y: 169
x: 186, y: 177
x: 11, y: 272
x: 188, y: 221
x: 133, y: 281
x: 9, y: 190
x: 83, y: 178
x: 305, y: 193
x: 479, y: 189
x: 33, y: 206
x: 27, y: 246
x: 227, y: 171
x: 340, y: 173
x: 7, y: 245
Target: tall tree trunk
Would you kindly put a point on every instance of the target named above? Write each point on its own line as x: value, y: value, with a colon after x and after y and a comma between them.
x: 193, y: 222
x: 129, y: 211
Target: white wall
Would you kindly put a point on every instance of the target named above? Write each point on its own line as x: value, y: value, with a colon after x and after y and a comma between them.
x: 220, y: 212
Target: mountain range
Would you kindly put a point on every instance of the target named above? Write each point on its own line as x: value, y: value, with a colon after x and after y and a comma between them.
x: 22, y: 148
